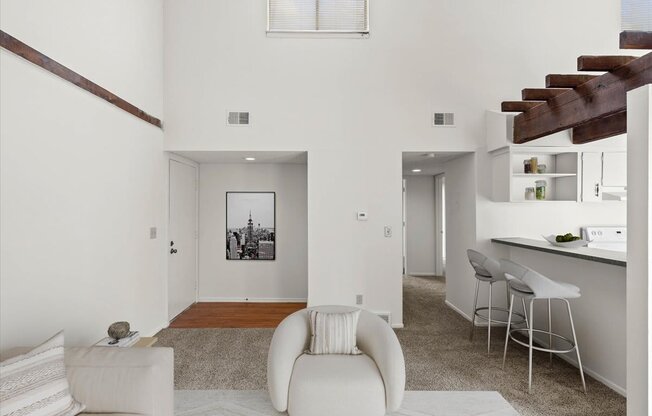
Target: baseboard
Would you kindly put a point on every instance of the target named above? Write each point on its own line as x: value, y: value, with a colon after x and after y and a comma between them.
x: 478, y: 322
x: 572, y: 361
x: 253, y: 300
x: 397, y: 326
x: 566, y: 357
x: 421, y: 274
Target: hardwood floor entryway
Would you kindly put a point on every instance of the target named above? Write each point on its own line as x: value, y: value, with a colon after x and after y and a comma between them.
x: 235, y: 315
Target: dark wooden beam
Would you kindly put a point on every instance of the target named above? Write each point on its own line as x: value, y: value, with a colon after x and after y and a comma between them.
x: 631, y: 39
x: 541, y: 94
x: 25, y: 51
x: 601, y: 128
x: 518, y: 106
x: 602, y: 63
x: 567, y: 81
x: 597, y: 98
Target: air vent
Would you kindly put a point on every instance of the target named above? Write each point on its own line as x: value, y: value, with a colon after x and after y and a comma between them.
x: 238, y: 118
x: 385, y: 316
x: 443, y: 119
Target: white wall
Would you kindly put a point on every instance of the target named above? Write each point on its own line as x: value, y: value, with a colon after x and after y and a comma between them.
x: 81, y: 180
x: 284, y: 279
x: 639, y: 250
x: 356, y: 104
x: 420, y: 224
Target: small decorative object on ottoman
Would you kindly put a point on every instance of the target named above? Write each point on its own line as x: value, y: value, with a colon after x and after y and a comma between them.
x: 118, y: 330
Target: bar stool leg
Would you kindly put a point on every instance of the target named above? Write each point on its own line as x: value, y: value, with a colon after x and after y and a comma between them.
x: 529, y: 380
x: 509, y: 326
x: 527, y: 325
x: 475, y: 308
x: 549, y: 333
x: 489, y: 321
x: 577, y: 349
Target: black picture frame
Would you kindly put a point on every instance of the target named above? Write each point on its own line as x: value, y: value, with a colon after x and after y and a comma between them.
x: 250, y: 240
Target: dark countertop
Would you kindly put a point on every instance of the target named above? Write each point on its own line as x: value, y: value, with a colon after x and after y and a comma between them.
x: 615, y: 258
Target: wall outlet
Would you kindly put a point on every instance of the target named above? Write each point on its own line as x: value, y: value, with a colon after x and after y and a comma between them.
x: 388, y: 231
x: 152, y: 233
x: 358, y: 299
x: 362, y: 216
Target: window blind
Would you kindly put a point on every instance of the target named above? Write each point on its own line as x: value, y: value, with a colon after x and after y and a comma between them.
x: 636, y: 15
x: 328, y: 16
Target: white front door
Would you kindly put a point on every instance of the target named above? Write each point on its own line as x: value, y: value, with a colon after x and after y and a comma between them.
x: 182, y: 247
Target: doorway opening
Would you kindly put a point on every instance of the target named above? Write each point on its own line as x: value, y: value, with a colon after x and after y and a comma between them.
x: 424, y: 213
x: 251, y: 236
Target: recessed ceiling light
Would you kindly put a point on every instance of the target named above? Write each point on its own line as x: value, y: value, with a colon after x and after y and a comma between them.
x: 416, y: 170
x: 250, y: 158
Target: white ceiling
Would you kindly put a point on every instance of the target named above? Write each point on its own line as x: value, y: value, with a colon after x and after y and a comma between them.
x: 430, y: 163
x: 297, y: 158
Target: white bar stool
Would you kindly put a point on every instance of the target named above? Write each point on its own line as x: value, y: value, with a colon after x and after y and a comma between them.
x: 528, y: 284
x: 488, y: 270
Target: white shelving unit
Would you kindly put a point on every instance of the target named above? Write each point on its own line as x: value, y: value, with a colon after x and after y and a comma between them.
x: 562, y: 173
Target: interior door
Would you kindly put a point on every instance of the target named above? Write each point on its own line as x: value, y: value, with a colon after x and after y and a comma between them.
x: 440, y: 225
x: 182, y: 248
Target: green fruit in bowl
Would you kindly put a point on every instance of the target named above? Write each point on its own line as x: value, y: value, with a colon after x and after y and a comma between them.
x: 566, y: 238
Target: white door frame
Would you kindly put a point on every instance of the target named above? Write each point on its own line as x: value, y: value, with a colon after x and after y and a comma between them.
x: 185, y: 161
x: 440, y: 226
x: 404, y: 228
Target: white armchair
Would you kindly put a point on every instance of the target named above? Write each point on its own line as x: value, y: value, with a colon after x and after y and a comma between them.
x: 370, y: 384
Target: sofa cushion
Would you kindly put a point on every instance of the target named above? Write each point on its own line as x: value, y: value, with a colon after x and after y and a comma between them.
x: 343, y: 385
x: 35, y: 383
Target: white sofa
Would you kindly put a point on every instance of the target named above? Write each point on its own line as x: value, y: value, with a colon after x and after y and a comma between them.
x: 119, y: 381
x: 370, y: 384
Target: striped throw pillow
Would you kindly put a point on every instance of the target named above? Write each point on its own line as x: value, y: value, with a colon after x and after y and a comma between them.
x: 333, y: 332
x: 35, y: 383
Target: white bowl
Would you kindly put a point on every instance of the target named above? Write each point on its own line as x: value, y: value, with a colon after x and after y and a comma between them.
x: 569, y: 244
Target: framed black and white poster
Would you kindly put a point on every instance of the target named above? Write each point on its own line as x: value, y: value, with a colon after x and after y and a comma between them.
x: 250, y: 225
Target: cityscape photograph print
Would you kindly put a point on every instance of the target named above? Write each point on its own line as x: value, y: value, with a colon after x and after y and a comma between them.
x: 250, y: 225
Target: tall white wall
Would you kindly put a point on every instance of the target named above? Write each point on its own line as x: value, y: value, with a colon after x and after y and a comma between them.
x: 356, y: 104
x: 420, y: 224
x: 284, y: 279
x: 81, y: 180
x: 639, y: 250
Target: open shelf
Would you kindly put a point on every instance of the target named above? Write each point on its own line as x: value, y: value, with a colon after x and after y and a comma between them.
x: 544, y: 175
x: 561, y: 177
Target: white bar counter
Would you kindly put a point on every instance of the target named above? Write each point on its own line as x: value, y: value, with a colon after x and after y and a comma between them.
x: 599, y: 314
x: 592, y: 254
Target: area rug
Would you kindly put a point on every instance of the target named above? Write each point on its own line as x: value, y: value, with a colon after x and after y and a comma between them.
x: 416, y: 403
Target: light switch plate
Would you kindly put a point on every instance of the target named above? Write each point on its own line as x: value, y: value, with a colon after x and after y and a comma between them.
x: 362, y: 216
x: 358, y: 299
x: 152, y: 233
x: 388, y: 231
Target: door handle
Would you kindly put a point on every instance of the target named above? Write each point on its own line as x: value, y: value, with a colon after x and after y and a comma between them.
x: 597, y: 189
x: 173, y: 250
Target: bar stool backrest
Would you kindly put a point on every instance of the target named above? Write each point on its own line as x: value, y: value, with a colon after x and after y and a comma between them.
x: 485, y: 266
x: 541, y: 286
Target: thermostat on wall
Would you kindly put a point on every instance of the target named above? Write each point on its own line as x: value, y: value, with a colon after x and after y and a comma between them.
x: 362, y: 216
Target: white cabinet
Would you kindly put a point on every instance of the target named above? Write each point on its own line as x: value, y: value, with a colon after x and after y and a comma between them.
x: 604, y: 176
x: 591, y: 176
x: 561, y: 175
x: 614, y: 169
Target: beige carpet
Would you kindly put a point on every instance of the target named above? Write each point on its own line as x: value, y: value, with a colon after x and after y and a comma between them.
x: 438, y: 357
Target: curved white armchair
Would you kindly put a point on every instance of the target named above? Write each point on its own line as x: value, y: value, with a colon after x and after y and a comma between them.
x: 314, y: 385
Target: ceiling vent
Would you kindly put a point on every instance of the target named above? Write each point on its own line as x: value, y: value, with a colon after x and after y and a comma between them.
x: 443, y: 119
x: 238, y: 118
